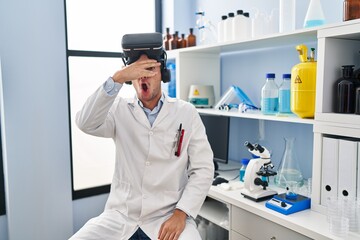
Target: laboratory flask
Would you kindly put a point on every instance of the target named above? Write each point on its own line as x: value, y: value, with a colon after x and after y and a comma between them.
x: 314, y: 15
x: 289, y: 174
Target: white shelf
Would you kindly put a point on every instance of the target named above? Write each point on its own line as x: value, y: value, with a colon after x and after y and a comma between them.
x: 309, y: 223
x: 257, y: 115
x: 215, y: 212
x: 340, y: 120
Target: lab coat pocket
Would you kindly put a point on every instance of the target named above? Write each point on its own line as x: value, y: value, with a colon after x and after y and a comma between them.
x: 170, y: 140
x: 119, y: 194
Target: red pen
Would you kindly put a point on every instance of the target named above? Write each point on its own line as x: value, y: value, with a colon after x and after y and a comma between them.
x: 180, y: 143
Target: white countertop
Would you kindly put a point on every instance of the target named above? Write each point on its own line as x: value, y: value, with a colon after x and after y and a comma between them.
x: 307, y: 222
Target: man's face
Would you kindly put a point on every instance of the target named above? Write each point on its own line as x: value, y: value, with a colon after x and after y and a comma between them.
x: 148, y: 89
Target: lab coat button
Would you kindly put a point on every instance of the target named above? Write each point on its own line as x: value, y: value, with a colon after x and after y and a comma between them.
x: 151, y: 133
x: 144, y: 196
x: 147, y: 163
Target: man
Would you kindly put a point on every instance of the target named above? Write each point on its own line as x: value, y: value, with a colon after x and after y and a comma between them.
x: 164, y: 163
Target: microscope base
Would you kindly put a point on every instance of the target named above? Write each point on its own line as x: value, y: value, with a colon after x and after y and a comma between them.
x: 258, y: 195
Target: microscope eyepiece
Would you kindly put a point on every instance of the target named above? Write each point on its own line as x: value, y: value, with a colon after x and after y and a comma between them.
x: 249, y: 146
x: 259, y: 147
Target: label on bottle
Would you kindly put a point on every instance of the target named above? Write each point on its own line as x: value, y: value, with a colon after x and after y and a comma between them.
x: 269, y: 105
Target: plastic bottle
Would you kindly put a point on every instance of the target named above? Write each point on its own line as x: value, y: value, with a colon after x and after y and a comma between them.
x: 221, y: 29
x: 314, y: 15
x: 345, y: 91
x: 247, y: 26
x: 244, y: 162
x: 284, y: 94
x: 191, y: 38
x: 269, y: 95
x: 228, y: 36
x: 351, y: 9
x: 172, y: 84
x: 258, y: 24
x: 238, y: 22
x: 287, y: 16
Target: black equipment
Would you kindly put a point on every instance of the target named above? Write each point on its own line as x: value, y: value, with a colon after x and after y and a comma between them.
x: 150, y: 44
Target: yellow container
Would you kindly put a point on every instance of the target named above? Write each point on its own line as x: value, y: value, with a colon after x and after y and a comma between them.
x: 303, y: 85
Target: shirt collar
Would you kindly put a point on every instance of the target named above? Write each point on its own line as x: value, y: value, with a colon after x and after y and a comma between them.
x: 157, y: 107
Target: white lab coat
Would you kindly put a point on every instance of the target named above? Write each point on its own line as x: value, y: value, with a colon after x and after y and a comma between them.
x: 149, y: 181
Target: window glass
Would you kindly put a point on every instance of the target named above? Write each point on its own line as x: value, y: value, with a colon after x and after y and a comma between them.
x: 93, y: 157
x: 95, y: 27
x: 98, y: 25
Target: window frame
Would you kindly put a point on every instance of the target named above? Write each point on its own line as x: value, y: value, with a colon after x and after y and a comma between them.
x: 93, y: 191
x: 2, y: 181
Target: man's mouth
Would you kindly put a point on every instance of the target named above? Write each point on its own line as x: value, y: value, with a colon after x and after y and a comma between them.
x: 144, y: 87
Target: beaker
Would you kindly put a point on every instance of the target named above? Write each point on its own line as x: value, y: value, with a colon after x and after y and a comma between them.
x: 289, y: 174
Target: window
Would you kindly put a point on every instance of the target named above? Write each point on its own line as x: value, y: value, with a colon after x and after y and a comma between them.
x: 94, y: 32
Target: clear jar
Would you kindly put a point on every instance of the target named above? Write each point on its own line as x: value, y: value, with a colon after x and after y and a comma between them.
x: 284, y: 94
x: 269, y: 95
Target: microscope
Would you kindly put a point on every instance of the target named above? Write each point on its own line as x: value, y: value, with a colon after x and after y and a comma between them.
x: 258, y: 171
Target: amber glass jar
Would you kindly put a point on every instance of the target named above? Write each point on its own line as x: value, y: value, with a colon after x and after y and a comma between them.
x: 167, y: 38
x: 351, y: 9
x: 182, y: 41
x: 174, y: 41
x: 191, y: 38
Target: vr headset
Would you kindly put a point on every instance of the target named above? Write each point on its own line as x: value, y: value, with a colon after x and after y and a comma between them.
x: 150, y: 44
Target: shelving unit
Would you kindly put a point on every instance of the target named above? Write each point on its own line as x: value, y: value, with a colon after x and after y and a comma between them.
x: 258, y: 115
x: 337, y: 44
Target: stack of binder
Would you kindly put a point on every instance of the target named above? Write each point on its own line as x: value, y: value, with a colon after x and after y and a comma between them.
x: 340, y: 176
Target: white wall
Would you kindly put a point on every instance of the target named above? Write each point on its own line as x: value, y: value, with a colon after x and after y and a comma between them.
x: 37, y: 165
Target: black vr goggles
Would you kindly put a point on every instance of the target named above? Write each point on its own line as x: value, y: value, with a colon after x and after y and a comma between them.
x: 150, y: 44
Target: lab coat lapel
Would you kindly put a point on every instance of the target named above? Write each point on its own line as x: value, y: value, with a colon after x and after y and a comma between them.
x: 138, y: 112
x: 166, y: 109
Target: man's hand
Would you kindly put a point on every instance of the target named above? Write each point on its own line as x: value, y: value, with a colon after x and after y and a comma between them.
x: 173, y: 227
x: 136, y: 70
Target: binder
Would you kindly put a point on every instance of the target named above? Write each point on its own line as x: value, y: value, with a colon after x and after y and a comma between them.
x: 329, y: 168
x: 358, y: 173
x: 348, y: 150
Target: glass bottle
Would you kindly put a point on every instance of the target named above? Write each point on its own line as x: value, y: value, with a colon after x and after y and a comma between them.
x: 284, y: 94
x: 269, y: 95
x: 191, y: 38
x: 345, y: 91
x: 357, y: 101
x: 174, y: 41
x: 167, y: 38
x: 244, y: 163
x: 351, y: 9
x: 172, y: 84
x: 314, y: 15
x: 182, y: 41
x: 289, y: 174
